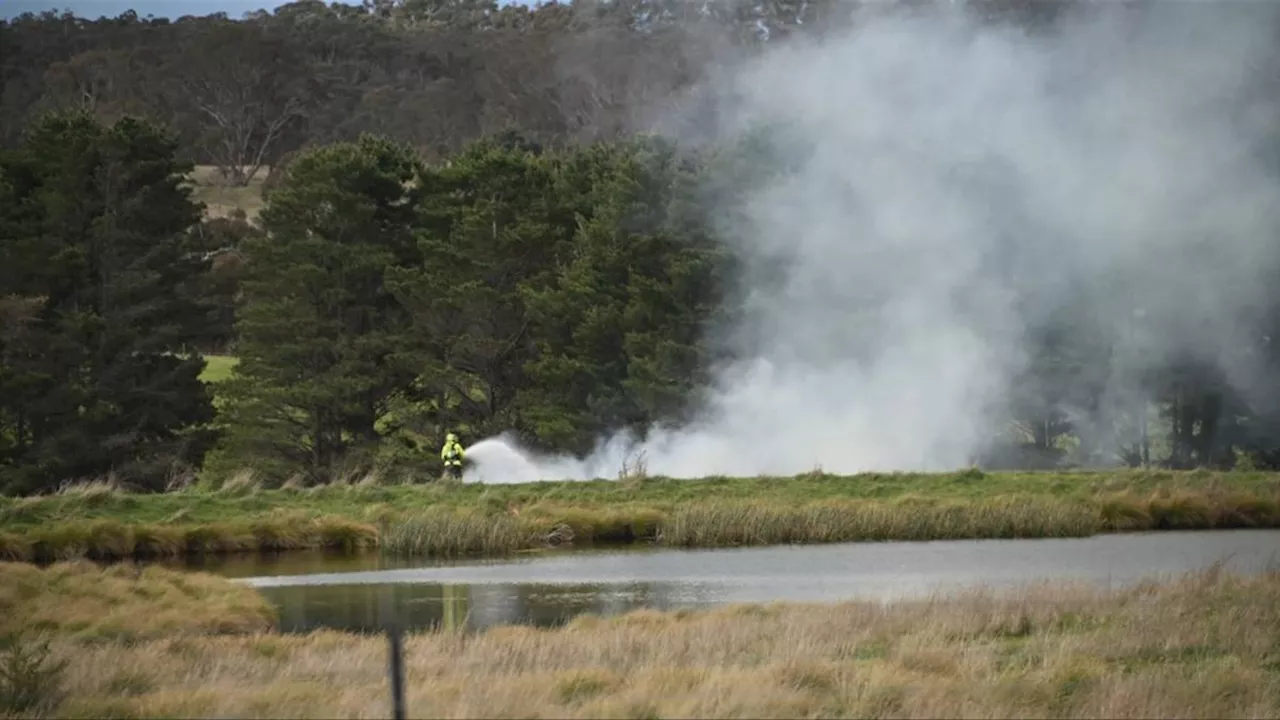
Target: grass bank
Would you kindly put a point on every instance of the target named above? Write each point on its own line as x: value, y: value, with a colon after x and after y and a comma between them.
x: 88, y: 603
x: 1202, y: 646
x: 102, y: 522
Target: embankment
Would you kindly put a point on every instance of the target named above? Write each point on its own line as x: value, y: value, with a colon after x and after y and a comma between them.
x: 1196, y: 647
x: 88, y: 603
x: 99, y: 522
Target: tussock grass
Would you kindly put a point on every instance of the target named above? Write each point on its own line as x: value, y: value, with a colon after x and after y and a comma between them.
x: 91, y: 490
x: 599, y: 525
x: 102, y: 521
x: 448, y: 533
x: 87, y: 602
x: 334, y: 533
x: 1202, y: 646
x: 241, y: 483
x: 747, y: 523
x: 14, y: 547
x: 1188, y: 510
x: 114, y: 540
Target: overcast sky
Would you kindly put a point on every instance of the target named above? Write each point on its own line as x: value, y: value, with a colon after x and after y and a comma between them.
x: 159, y: 8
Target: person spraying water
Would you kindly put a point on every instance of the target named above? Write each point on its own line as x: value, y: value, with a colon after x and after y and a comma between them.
x: 452, y: 454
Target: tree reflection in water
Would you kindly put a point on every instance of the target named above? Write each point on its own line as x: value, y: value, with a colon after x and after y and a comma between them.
x: 357, y: 608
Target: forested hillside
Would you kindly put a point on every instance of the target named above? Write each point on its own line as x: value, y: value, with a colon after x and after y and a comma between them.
x: 473, y: 217
x: 435, y: 74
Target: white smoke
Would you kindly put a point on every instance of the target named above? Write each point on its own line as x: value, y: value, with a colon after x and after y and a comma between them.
x: 963, y: 183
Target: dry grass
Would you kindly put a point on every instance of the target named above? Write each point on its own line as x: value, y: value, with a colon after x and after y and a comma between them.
x: 88, y: 490
x: 101, y: 521
x: 111, y: 540
x: 495, y: 530
x: 905, y: 519
x: 221, y: 198
x: 449, y: 533
x: 86, y: 602
x: 1206, y: 646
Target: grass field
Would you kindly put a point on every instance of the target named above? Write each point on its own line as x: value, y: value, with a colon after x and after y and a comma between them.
x: 99, y: 521
x: 221, y: 199
x: 218, y: 368
x: 1201, y: 646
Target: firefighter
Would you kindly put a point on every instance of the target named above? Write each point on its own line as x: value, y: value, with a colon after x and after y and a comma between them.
x: 452, y: 455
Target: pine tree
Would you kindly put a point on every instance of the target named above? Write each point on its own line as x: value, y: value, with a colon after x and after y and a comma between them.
x: 622, y: 324
x: 321, y: 340
x: 101, y: 284
x: 492, y: 224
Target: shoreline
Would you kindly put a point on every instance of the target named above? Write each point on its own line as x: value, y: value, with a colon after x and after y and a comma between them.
x: 160, y: 643
x: 497, y: 521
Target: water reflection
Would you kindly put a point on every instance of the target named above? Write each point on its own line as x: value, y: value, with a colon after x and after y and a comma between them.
x: 293, y: 563
x: 365, y: 608
x: 358, y: 593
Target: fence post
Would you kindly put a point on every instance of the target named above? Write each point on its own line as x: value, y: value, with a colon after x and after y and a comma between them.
x: 396, y: 669
x: 395, y: 648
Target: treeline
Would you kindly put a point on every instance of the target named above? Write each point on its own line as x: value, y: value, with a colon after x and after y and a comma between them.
x: 557, y: 281
x: 383, y: 301
x: 435, y: 74
x: 559, y: 295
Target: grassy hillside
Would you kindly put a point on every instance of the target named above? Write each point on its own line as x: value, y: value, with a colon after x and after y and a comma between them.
x: 1198, y: 647
x: 98, y: 520
x: 218, y: 368
x: 222, y: 198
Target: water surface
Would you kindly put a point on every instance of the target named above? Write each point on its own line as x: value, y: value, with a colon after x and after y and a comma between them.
x: 358, y: 593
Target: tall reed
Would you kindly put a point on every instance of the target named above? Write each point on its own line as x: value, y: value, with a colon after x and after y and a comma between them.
x: 753, y: 523
x: 492, y: 527
x: 449, y: 534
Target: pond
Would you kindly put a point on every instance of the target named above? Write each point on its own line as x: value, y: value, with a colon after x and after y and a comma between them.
x: 314, y: 590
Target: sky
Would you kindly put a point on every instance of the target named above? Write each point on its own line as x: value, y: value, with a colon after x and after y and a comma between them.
x: 158, y: 8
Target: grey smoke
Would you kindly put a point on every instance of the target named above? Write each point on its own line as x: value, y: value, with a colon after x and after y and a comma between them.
x: 962, y: 185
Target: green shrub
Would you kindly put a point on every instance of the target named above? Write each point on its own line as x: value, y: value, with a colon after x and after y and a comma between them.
x: 30, y: 681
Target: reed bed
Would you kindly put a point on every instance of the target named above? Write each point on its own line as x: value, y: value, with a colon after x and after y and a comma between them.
x: 486, y: 523
x: 1204, y: 645
x: 745, y: 523
x: 760, y: 524
x: 451, y: 534
x: 115, y: 540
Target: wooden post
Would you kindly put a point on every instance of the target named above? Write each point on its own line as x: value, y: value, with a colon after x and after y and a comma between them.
x: 395, y: 659
x: 396, y: 669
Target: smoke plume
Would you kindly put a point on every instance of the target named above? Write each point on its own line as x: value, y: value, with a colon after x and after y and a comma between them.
x: 958, y: 186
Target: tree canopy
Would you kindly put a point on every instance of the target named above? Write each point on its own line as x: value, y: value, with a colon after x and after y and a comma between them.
x: 466, y: 229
